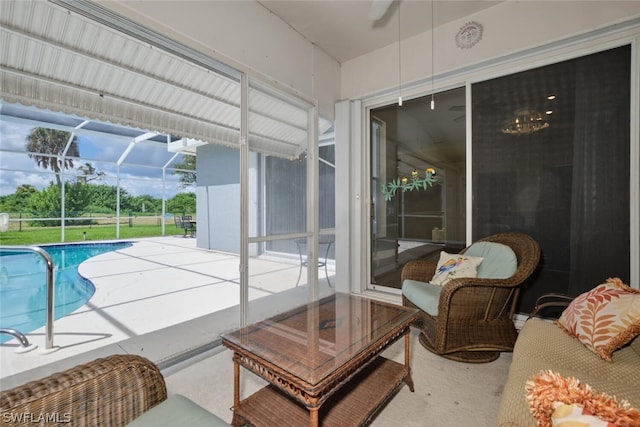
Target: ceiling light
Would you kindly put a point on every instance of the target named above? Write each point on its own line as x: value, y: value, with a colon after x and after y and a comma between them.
x: 399, y: 62
x: 433, y: 30
x: 524, y: 121
x: 551, y: 97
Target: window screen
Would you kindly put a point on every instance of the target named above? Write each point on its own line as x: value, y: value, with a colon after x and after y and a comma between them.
x: 551, y: 158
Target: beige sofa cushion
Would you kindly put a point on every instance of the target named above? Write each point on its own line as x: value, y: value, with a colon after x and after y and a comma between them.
x: 605, y: 318
x: 541, y: 346
x: 635, y: 345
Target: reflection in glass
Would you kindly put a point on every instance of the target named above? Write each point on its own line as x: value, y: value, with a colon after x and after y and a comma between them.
x: 409, y: 144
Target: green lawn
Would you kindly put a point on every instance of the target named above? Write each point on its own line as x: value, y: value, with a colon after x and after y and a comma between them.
x: 41, y: 235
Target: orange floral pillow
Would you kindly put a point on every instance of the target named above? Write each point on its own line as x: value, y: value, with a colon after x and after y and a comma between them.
x: 555, y: 400
x: 605, y: 318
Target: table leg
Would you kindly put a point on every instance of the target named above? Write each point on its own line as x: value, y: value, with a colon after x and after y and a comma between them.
x: 236, y: 385
x: 313, y: 417
x: 407, y: 348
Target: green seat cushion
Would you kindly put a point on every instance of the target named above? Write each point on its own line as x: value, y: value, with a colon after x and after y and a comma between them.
x: 177, y: 411
x: 499, y: 261
x: 423, y: 295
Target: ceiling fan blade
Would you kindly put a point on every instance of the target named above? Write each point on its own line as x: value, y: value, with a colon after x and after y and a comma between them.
x: 378, y: 9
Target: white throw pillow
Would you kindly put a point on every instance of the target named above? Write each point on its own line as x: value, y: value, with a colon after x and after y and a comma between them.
x: 452, y: 266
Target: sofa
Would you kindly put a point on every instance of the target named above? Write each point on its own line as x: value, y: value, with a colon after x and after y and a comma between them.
x: 541, y: 345
x: 113, y: 391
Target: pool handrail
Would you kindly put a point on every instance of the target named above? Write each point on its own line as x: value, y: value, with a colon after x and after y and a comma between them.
x: 50, y: 285
x: 24, y: 342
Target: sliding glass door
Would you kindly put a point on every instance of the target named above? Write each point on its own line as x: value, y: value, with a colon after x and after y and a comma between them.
x: 551, y: 158
x: 417, y: 184
x: 281, y: 177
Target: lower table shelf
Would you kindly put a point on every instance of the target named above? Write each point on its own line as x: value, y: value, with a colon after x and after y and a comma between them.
x: 354, y: 404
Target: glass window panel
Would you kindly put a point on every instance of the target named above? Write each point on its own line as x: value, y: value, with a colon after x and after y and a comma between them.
x: 278, y: 165
x: 327, y: 186
x: 416, y: 222
x: 326, y: 211
x: 273, y: 272
x: 279, y: 134
x: 565, y: 184
x: 285, y: 195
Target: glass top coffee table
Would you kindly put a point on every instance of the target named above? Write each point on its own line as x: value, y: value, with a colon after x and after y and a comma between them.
x: 322, y: 362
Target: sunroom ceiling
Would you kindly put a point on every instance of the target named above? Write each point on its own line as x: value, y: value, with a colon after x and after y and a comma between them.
x: 57, y: 59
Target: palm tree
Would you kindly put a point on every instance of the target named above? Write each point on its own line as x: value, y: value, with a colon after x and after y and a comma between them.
x: 47, y: 147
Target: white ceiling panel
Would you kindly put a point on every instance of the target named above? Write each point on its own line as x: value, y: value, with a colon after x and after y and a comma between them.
x: 57, y: 59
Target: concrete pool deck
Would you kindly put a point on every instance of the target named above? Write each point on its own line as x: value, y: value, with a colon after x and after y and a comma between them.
x: 160, y: 297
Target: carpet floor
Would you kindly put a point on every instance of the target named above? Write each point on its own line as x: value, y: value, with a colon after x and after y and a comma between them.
x: 447, y: 393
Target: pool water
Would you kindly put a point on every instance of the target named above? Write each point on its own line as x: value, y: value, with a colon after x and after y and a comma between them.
x: 23, y: 284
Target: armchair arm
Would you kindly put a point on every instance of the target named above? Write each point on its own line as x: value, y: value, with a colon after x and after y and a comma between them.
x: 111, y: 391
x: 550, y: 300
x: 421, y: 270
x: 477, y: 298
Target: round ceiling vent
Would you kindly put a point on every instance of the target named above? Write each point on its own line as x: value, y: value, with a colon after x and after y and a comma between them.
x: 468, y: 35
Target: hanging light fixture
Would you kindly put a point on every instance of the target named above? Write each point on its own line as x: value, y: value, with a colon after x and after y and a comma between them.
x: 399, y: 62
x: 525, y: 121
x: 433, y: 103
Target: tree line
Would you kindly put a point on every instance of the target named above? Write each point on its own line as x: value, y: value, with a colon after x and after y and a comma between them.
x: 81, y: 199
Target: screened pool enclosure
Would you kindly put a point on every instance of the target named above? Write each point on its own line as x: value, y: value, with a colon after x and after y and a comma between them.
x: 137, y: 108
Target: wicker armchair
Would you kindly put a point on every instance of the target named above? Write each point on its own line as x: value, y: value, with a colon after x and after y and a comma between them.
x: 108, y: 392
x: 117, y: 390
x: 474, y: 315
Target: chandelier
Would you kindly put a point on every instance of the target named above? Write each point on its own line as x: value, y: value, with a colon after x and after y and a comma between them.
x: 525, y: 121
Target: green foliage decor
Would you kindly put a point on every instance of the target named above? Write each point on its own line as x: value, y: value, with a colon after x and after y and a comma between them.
x: 416, y: 183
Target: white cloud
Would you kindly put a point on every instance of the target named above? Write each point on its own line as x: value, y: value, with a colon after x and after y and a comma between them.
x: 13, y: 135
x: 9, y: 181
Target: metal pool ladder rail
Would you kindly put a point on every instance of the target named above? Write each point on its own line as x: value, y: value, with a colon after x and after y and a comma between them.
x: 49, y: 348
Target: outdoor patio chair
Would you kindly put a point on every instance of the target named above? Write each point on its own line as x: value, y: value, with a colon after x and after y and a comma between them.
x: 186, y: 223
x: 471, y: 319
x: 189, y: 225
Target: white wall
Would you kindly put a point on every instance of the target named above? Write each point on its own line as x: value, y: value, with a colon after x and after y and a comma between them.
x: 245, y: 35
x: 509, y: 27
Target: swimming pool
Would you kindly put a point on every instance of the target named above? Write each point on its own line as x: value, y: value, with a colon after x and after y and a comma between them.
x: 23, y: 284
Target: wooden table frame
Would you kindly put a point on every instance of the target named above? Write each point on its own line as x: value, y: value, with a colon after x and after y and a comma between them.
x: 312, y: 396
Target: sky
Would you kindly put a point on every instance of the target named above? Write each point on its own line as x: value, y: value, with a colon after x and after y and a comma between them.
x: 16, y: 168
